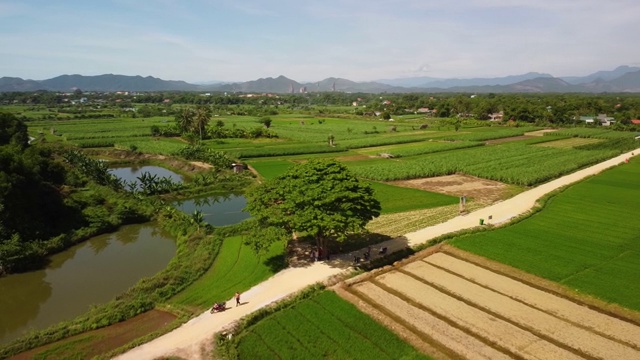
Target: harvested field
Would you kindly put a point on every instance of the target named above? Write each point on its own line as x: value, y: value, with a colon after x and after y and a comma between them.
x: 96, y: 342
x: 468, y: 311
x: 481, y: 190
x: 509, y: 139
x: 570, y: 143
x: 540, y: 132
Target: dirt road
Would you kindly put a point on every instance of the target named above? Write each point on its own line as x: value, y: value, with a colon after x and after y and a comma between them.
x: 193, y: 339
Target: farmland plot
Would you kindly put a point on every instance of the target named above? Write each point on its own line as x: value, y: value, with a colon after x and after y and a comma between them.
x: 472, y: 312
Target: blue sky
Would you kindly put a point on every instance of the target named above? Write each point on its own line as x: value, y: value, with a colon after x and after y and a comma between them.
x: 237, y: 40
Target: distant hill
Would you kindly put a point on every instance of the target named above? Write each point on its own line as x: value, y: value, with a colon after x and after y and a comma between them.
x: 18, y: 84
x: 629, y: 82
x: 544, y: 84
x: 281, y: 84
x: 622, y: 79
x: 429, y: 82
x: 409, y: 82
x: 344, y: 85
x: 601, y: 75
x: 110, y: 82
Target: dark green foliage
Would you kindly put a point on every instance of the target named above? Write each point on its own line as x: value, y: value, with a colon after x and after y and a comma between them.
x: 41, y: 211
x: 93, y: 169
x: 13, y: 131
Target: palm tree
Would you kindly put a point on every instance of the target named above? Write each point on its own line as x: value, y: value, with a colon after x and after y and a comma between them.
x: 201, y: 119
x: 185, y: 119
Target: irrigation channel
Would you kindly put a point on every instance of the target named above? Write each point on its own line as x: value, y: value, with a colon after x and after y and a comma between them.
x: 102, y: 267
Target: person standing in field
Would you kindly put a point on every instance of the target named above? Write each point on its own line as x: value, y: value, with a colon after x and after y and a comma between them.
x: 237, y: 297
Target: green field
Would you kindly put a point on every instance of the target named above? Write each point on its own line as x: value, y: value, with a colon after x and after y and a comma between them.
x: 395, y: 199
x: 236, y: 268
x: 322, y: 327
x: 513, y: 163
x: 587, y: 238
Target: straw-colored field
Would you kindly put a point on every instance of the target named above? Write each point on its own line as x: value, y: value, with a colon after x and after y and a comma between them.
x: 468, y: 311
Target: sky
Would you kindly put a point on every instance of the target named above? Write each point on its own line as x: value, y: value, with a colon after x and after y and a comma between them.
x: 309, y: 40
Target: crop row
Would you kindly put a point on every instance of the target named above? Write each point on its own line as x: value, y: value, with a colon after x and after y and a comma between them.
x: 284, y: 150
x: 398, y: 224
x: 322, y: 327
x: 598, y: 133
x: 427, y: 147
x: 511, y: 163
x: 491, y: 133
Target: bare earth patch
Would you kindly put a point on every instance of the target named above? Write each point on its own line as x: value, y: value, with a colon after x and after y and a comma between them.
x: 96, y: 342
x: 202, y: 164
x: 480, y: 190
x: 540, y: 132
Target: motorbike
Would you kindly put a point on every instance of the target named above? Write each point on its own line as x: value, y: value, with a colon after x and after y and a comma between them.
x: 217, y: 307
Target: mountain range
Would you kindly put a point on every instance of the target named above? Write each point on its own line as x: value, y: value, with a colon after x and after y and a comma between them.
x: 621, y: 79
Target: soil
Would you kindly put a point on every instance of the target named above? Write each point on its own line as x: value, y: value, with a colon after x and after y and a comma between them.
x: 202, y: 165
x: 135, y: 157
x: 540, y: 132
x: 108, y: 338
x: 476, y: 189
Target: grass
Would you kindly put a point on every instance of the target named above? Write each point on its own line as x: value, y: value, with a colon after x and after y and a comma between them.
x: 587, y: 238
x: 322, y: 327
x: 236, y: 268
x: 395, y: 199
x: 271, y: 168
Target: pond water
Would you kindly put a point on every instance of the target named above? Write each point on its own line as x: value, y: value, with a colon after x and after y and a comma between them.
x: 218, y: 210
x: 89, y: 273
x: 130, y: 174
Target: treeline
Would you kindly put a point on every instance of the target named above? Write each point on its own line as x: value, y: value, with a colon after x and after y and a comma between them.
x: 548, y: 108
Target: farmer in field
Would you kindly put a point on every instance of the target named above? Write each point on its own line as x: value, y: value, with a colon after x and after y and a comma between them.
x: 237, y: 297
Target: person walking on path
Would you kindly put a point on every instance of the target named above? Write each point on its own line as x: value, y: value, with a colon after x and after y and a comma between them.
x: 237, y: 296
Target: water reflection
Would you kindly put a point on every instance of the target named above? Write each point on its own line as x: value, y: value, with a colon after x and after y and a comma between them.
x: 89, y: 273
x: 218, y: 210
x: 131, y: 174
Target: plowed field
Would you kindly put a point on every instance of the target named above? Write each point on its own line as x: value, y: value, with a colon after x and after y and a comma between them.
x: 468, y: 311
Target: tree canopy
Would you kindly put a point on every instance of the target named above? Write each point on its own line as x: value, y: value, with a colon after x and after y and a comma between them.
x: 320, y: 198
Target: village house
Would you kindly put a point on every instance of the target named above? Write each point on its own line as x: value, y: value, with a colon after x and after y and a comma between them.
x: 605, y: 120
x: 496, y: 116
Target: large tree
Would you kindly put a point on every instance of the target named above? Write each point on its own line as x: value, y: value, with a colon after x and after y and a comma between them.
x: 320, y: 198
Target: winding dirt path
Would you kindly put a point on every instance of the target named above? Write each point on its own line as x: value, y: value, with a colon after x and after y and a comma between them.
x: 193, y: 340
